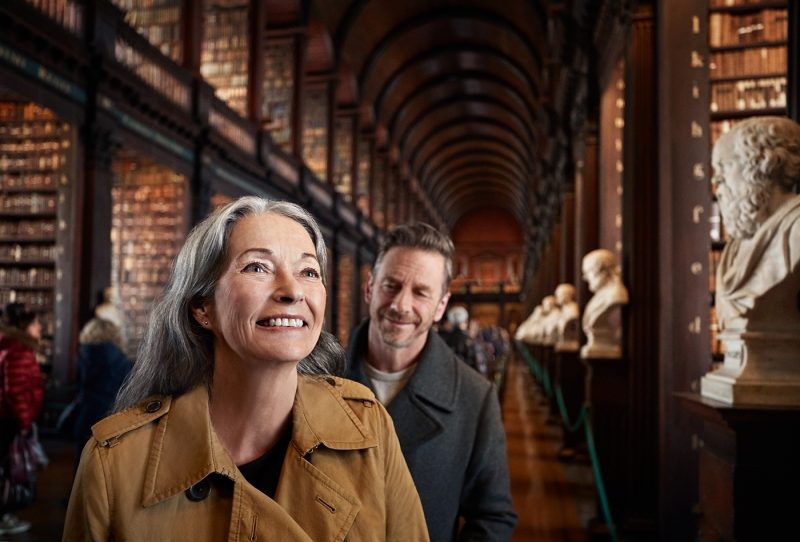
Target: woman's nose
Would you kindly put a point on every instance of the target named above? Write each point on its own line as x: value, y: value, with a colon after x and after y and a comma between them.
x: 287, y: 288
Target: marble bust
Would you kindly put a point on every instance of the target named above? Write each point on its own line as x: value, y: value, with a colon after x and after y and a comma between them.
x: 552, y: 315
x: 567, y: 340
x: 602, y: 320
x: 527, y: 331
x: 757, y: 167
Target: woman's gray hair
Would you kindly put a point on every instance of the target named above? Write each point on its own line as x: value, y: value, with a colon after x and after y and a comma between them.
x: 177, y: 353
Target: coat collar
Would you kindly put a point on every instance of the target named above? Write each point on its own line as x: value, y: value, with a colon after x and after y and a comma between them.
x: 435, y: 380
x: 321, y: 418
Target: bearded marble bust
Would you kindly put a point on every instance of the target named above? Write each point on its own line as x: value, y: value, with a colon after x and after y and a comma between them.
x: 567, y: 340
x: 602, y: 320
x: 757, y: 167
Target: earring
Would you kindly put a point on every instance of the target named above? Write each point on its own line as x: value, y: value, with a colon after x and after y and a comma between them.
x: 204, y: 322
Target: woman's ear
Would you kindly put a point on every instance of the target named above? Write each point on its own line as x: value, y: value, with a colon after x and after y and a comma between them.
x: 202, y: 315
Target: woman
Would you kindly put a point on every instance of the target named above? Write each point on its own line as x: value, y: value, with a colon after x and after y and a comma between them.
x: 230, y: 428
x: 102, y: 367
x: 21, y: 390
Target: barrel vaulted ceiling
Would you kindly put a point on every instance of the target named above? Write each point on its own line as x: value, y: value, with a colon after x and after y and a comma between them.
x: 463, y: 90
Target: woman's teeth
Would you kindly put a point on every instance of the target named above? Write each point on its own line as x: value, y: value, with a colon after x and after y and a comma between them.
x: 282, y: 322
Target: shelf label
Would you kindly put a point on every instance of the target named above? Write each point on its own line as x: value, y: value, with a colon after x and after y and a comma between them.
x: 697, y: 130
x: 697, y: 210
x: 699, y: 171
x: 43, y: 74
x: 697, y: 60
x: 695, y: 326
x: 696, y: 268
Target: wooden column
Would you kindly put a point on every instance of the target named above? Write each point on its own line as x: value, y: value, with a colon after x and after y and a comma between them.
x: 684, y: 244
x: 255, y: 75
x: 641, y: 271
x: 567, y: 242
x: 586, y: 209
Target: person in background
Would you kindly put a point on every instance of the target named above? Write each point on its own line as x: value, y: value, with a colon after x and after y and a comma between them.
x: 230, y: 426
x: 455, y: 335
x: 22, y: 388
x: 102, y: 367
x: 447, y: 415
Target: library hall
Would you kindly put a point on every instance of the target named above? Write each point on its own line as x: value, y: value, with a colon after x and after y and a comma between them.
x: 419, y: 270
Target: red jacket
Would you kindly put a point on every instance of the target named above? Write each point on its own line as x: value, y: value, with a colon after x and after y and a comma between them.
x: 21, y: 378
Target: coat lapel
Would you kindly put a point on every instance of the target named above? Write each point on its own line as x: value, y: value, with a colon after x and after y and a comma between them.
x: 419, y: 410
x: 313, y: 498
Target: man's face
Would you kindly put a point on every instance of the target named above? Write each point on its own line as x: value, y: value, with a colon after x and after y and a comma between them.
x: 741, y: 203
x: 594, y: 274
x: 405, y: 297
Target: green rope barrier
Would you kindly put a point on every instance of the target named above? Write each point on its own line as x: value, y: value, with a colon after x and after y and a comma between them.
x: 598, y: 479
x: 562, y: 408
x: 548, y: 386
x: 533, y: 365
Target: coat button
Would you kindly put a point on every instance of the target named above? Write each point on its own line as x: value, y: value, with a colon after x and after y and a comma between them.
x: 152, y: 406
x: 199, y: 491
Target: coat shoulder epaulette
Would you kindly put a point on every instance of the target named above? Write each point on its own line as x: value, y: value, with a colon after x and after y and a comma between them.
x: 109, y: 430
x: 347, y: 389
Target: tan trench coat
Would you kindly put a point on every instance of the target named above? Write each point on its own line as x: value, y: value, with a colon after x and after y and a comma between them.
x: 159, y: 472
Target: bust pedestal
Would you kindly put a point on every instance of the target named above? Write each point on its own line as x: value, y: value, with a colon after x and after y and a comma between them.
x: 607, y: 395
x: 749, y: 473
x: 760, y: 368
x: 571, y: 377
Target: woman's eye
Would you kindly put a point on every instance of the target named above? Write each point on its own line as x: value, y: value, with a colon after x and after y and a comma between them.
x: 254, y: 267
x: 310, y: 273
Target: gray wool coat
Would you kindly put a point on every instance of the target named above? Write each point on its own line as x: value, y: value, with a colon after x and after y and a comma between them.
x: 448, y: 421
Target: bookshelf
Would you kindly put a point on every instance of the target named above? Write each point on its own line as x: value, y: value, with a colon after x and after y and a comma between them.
x: 278, y: 90
x: 345, y: 293
x: 748, y: 63
x: 148, y: 227
x: 67, y: 13
x: 35, y: 150
x: 157, y: 20
x: 343, y: 156
x: 315, y: 129
x: 378, y: 191
x: 363, y: 171
x: 226, y: 52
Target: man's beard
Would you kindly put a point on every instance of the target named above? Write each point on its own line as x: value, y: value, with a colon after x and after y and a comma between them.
x: 388, y: 337
x: 742, y: 216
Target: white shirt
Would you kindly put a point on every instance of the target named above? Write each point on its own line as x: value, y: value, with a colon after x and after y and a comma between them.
x: 387, y: 385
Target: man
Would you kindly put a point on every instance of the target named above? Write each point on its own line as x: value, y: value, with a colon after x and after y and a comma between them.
x: 446, y: 414
x: 601, y: 317
x: 456, y: 337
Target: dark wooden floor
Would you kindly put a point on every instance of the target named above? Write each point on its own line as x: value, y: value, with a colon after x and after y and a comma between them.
x: 554, y: 500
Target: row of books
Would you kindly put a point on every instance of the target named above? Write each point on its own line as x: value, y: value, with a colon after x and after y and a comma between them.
x: 160, y: 79
x: 748, y: 94
x: 728, y: 29
x: 28, y: 229
x: 28, y: 252
x: 33, y: 276
x: 28, y: 202
x: 748, y: 62
x: 67, y: 13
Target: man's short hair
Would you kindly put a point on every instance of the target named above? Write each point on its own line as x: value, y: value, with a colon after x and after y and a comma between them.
x: 420, y: 236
